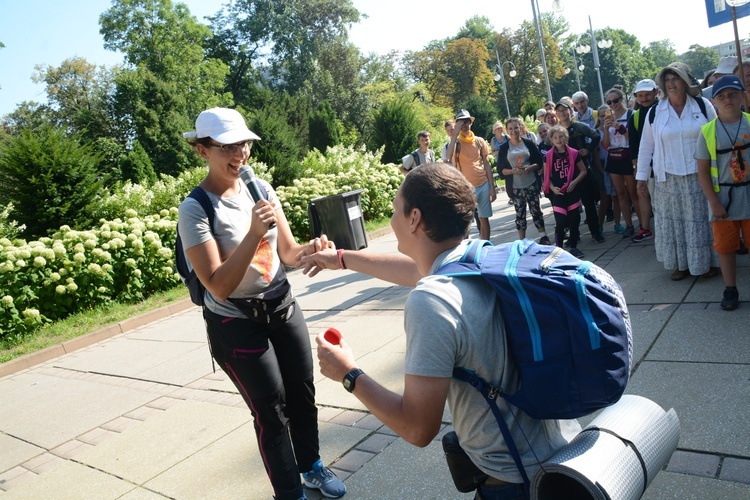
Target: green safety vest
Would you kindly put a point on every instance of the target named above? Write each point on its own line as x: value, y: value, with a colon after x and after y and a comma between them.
x: 709, y: 133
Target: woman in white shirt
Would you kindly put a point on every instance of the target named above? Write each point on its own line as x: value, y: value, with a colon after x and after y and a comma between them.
x: 684, y: 242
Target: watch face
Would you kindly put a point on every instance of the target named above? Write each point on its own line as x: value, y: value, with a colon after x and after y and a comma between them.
x: 347, y: 384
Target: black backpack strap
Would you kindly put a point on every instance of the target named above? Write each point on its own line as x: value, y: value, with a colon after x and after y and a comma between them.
x: 699, y: 100
x: 415, y: 155
x: 200, y: 195
x: 702, y: 105
x: 490, y: 395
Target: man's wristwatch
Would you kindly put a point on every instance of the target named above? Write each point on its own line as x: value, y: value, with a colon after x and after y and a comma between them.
x: 350, y: 378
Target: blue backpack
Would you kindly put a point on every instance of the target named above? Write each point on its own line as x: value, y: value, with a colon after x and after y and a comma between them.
x: 567, y: 327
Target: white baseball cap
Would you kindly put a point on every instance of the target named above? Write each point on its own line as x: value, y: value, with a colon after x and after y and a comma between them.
x: 646, y: 85
x: 726, y: 65
x: 223, y: 125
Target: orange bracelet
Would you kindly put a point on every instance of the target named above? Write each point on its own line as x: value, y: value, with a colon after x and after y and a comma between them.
x: 340, y: 253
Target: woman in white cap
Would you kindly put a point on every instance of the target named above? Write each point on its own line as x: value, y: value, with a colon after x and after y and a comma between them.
x: 681, y: 225
x: 256, y: 332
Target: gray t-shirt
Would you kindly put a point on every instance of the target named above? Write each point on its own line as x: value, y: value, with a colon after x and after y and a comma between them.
x: 730, y: 169
x: 519, y: 156
x: 409, y: 163
x: 233, y: 215
x: 452, y: 322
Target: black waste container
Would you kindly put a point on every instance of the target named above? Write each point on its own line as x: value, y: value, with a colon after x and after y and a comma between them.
x: 340, y: 218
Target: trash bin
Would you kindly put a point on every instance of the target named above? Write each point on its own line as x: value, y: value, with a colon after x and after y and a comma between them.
x: 340, y: 218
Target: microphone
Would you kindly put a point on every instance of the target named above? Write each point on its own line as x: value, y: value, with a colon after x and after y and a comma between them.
x: 248, y: 177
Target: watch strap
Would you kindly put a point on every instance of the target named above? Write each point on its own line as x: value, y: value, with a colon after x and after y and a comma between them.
x: 350, y: 379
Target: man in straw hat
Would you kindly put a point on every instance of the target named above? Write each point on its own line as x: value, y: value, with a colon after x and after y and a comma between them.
x: 469, y: 155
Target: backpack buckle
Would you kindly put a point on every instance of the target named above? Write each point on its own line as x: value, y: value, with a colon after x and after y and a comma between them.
x: 492, y: 392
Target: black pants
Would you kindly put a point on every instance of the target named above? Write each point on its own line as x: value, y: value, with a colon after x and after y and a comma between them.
x: 273, y: 371
x: 565, y: 208
x: 468, y: 477
x: 589, y: 192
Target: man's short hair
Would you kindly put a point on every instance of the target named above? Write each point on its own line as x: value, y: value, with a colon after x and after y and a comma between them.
x: 423, y: 133
x: 579, y: 95
x: 443, y: 196
x: 449, y: 123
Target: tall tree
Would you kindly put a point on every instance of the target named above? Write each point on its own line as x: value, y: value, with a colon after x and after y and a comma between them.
x: 700, y: 59
x: 395, y: 126
x: 324, y: 128
x: 660, y: 53
x: 167, y: 81
x: 462, y: 71
x: 78, y: 93
x: 50, y: 178
x: 283, y: 36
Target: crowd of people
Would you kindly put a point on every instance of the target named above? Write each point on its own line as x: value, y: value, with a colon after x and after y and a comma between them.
x: 633, y: 161
x: 682, y: 160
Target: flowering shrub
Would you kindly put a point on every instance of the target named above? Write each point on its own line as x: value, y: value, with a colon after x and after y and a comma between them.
x: 128, y: 257
x: 50, y: 278
x: 341, y: 169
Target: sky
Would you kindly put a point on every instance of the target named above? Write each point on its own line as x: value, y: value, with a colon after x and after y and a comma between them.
x: 49, y: 31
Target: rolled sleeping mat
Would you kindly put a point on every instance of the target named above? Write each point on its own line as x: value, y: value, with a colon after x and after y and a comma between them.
x: 615, y: 457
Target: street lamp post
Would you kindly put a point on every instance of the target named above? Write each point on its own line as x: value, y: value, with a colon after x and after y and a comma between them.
x: 575, y: 66
x: 501, y: 77
x: 534, y: 9
x: 585, y: 49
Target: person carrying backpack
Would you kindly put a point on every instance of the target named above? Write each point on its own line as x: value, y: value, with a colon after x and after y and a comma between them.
x: 449, y: 323
x: 420, y: 156
x: 469, y: 153
x: 256, y: 331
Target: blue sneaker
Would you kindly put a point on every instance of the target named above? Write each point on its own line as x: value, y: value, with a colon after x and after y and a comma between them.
x: 619, y: 228
x: 323, y: 478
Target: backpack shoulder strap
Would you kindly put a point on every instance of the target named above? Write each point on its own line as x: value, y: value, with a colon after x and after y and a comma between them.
x: 702, y: 105
x: 652, y: 114
x: 415, y: 155
x: 200, y: 195
x: 468, y: 264
x: 479, y: 143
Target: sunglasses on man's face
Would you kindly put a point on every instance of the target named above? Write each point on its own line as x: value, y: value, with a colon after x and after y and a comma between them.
x: 614, y: 101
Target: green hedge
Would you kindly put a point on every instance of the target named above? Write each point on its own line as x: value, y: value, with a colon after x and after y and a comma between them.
x: 128, y: 256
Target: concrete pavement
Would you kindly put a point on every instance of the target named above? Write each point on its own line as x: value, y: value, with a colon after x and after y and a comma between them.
x: 141, y: 414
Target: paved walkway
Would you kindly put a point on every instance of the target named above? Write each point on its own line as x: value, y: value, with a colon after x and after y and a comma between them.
x: 141, y: 414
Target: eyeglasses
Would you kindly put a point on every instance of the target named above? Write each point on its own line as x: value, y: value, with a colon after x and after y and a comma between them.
x: 614, y: 101
x: 232, y: 149
x: 673, y: 79
x: 578, y: 103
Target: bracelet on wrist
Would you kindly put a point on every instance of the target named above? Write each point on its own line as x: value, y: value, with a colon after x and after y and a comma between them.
x: 340, y: 253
